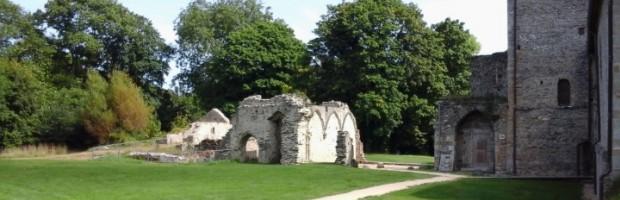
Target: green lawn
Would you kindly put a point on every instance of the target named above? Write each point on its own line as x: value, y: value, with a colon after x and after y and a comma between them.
x: 132, y: 179
x: 400, y: 158
x: 491, y: 189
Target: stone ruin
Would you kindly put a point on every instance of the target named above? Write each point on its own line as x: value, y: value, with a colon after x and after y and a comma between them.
x: 285, y: 129
x: 288, y: 129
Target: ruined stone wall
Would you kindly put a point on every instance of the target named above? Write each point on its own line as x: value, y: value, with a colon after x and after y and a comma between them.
x: 290, y: 130
x: 550, y: 45
x: 274, y: 123
x: 488, y: 75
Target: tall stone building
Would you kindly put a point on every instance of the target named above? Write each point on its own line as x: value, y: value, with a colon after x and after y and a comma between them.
x: 547, y: 107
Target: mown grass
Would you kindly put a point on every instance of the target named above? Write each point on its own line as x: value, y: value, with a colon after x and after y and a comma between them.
x: 419, y: 159
x: 132, y: 179
x: 491, y: 189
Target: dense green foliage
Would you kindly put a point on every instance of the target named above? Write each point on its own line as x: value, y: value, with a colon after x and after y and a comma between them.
x: 83, y: 72
x: 474, y: 189
x: 32, y: 111
x: 120, y: 179
x: 229, y: 49
x: 382, y: 59
x: 459, y: 46
x: 104, y: 35
x: 21, y: 101
x: 45, y: 59
x: 203, y: 28
x: 19, y: 39
x: 262, y: 58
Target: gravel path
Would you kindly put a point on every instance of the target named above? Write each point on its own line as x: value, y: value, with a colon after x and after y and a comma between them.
x: 391, y: 187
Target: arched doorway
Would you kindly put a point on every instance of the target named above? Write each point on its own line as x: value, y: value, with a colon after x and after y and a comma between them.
x: 250, y: 149
x: 475, y: 143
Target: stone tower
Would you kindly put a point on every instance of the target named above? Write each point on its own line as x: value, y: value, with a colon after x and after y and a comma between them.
x: 547, y: 80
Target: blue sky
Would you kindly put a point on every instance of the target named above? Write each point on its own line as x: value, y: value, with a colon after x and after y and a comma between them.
x: 486, y: 19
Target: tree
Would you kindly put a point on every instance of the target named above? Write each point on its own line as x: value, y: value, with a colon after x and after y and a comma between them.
x: 126, y: 100
x: 104, y: 35
x: 60, y: 117
x: 203, y: 28
x: 262, y: 58
x: 98, y: 117
x: 116, y: 110
x: 19, y: 39
x: 21, y: 100
x: 459, y: 47
x: 379, y: 57
x: 177, y: 110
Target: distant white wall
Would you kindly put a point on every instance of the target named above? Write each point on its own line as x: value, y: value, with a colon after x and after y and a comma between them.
x: 208, y: 130
x: 200, y: 131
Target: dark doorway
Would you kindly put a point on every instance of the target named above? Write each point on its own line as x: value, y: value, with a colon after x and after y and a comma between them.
x: 475, y: 144
x: 276, y: 132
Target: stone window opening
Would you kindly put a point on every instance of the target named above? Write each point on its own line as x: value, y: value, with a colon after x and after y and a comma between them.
x: 564, y: 93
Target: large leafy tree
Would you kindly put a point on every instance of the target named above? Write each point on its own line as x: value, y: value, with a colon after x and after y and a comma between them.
x: 459, y: 46
x: 104, y: 35
x: 19, y: 39
x: 203, y: 28
x: 262, y: 58
x: 379, y: 56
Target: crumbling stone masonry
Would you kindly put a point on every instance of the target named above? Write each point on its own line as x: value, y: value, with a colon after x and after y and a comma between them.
x: 288, y: 129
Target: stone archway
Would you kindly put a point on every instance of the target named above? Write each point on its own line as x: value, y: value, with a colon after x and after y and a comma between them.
x: 275, y: 129
x: 475, y: 143
x: 250, y: 149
